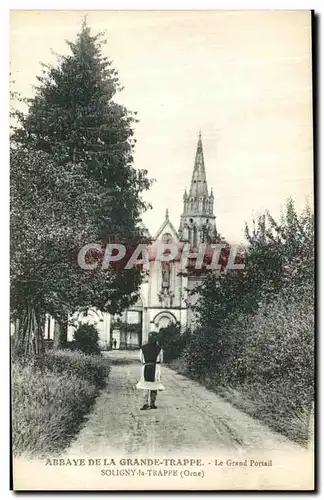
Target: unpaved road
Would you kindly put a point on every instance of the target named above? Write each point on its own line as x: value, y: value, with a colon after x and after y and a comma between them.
x: 189, y: 417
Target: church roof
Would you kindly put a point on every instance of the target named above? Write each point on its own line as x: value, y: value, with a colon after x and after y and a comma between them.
x: 199, y: 182
x: 167, y: 226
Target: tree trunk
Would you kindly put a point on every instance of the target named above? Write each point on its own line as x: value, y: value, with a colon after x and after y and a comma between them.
x: 60, y: 333
x: 29, y: 335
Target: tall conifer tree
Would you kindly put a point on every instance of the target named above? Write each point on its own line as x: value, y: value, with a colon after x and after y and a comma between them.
x: 72, y: 182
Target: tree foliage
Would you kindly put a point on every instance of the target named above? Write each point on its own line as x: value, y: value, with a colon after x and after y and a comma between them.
x: 73, y: 182
x: 256, y: 326
x: 172, y: 341
x: 278, y: 254
x: 86, y: 339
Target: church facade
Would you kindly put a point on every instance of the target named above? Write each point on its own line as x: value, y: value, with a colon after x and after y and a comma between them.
x: 164, y: 292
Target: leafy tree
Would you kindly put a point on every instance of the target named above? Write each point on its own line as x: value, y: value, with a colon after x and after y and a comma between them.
x: 279, y: 255
x: 256, y: 330
x: 72, y: 183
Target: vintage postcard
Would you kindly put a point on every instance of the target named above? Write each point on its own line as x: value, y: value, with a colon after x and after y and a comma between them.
x: 162, y: 250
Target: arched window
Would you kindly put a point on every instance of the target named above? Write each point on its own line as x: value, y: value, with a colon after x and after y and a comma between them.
x: 185, y: 232
x: 194, y: 239
x: 167, y: 238
x: 190, y: 234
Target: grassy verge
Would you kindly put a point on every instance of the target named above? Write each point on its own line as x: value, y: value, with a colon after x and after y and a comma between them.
x: 271, y: 404
x: 51, y: 397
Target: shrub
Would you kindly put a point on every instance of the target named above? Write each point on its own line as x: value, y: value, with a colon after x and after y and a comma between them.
x: 267, y: 356
x: 279, y: 348
x: 172, y: 342
x: 179, y: 365
x: 93, y: 368
x: 199, y: 354
x: 47, y: 410
x: 50, y: 397
x: 216, y: 349
x: 86, y: 339
x: 256, y: 326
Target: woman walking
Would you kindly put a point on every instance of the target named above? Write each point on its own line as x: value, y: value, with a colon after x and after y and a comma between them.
x: 151, y: 357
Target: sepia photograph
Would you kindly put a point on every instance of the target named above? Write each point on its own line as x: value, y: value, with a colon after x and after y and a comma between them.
x: 162, y: 250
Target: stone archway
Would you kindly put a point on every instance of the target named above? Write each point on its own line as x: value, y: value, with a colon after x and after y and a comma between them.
x: 164, y: 319
x: 90, y: 316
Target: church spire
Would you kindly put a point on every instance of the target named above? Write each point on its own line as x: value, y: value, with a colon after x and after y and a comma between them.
x: 199, y: 182
x: 197, y: 223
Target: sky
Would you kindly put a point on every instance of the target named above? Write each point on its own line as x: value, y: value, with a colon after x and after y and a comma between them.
x: 241, y: 77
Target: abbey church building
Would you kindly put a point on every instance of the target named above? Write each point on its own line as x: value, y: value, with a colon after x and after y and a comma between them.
x: 163, y: 295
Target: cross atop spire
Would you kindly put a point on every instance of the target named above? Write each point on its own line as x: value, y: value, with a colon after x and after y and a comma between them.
x: 166, y: 214
x: 199, y: 182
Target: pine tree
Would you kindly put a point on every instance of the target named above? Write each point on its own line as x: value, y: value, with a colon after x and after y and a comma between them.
x: 72, y: 182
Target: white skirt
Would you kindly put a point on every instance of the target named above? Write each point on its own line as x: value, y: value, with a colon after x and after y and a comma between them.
x: 152, y: 386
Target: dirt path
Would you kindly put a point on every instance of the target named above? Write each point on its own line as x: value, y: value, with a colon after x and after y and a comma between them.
x: 189, y: 417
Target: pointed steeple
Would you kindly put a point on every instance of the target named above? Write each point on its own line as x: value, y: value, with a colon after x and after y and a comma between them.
x: 199, y: 182
x: 197, y: 224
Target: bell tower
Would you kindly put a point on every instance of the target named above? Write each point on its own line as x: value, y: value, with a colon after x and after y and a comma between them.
x: 197, y: 223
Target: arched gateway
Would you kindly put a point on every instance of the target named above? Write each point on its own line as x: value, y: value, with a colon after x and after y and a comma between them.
x: 164, y: 319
